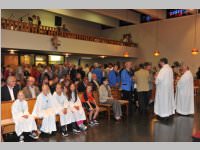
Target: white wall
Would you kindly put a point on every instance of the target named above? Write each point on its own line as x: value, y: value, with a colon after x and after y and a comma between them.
x: 48, y: 19
x: 175, y: 40
x: 31, y: 41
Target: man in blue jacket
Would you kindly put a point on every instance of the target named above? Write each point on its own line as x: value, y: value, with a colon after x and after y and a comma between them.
x: 113, y: 77
x: 98, y: 72
x: 127, y: 83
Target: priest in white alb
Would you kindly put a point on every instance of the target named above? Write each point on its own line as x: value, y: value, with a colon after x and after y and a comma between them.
x: 44, y: 109
x: 24, y: 122
x: 164, y: 105
x: 185, y: 93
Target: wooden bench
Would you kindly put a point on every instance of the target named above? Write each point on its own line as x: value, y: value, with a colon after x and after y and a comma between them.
x: 116, y: 93
x: 109, y: 106
x: 101, y: 109
x: 7, y: 124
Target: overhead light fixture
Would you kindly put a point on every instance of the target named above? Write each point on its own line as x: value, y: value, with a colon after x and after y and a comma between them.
x: 195, y: 51
x: 12, y: 51
x: 67, y: 54
x: 102, y: 56
x: 156, y: 53
x: 126, y: 54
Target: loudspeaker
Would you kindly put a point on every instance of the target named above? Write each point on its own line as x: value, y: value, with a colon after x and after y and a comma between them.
x: 58, y: 21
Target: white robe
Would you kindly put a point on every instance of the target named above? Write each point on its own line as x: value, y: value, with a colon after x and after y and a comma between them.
x: 77, y: 114
x: 164, y: 101
x: 44, y: 109
x: 185, y: 94
x: 61, y: 102
x: 19, y: 109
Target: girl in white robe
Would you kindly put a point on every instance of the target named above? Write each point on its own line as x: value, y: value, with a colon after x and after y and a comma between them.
x: 164, y: 101
x: 62, y: 108
x: 44, y: 109
x: 185, y: 94
x: 76, y: 107
x: 24, y: 122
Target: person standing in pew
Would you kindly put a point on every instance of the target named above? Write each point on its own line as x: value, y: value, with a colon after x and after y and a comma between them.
x: 95, y: 83
x: 76, y: 108
x: 105, y: 97
x: 142, y: 81
x: 114, y: 78
x: 30, y: 90
x: 81, y: 87
x: 10, y: 90
x: 89, y: 103
x: 62, y: 108
x: 127, y: 84
x: 44, y: 109
x: 24, y: 122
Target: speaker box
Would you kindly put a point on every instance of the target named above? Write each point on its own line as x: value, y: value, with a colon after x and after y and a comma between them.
x: 58, y: 21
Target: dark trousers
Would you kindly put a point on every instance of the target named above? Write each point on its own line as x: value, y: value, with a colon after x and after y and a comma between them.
x: 143, y: 98
x: 128, y: 95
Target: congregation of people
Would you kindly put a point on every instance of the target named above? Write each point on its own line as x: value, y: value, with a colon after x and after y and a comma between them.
x: 56, y: 88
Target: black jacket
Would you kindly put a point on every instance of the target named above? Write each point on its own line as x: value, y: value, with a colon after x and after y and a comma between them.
x: 81, y: 87
x: 5, y: 94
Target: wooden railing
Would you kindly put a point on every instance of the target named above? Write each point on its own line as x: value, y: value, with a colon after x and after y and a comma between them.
x: 52, y: 31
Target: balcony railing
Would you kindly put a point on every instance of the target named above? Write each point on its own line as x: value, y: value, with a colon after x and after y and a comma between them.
x: 52, y: 31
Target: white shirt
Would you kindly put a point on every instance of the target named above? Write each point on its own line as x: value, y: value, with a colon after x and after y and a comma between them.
x: 11, y: 93
x: 32, y: 89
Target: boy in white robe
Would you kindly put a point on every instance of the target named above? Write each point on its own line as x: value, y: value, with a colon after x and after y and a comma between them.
x: 24, y: 122
x: 44, y: 109
x: 164, y: 105
x: 185, y: 93
x: 62, y: 108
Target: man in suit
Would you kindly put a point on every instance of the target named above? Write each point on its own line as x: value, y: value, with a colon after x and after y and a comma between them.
x: 30, y: 90
x: 10, y: 90
x: 82, y: 85
x: 95, y: 83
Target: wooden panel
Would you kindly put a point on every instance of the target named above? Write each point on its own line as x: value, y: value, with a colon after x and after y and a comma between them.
x: 6, y: 108
x: 116, y: 93
x: 11, y: 60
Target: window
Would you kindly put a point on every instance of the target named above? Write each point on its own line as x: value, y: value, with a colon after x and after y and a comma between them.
x: 40, y: 59
x: 56, y: 59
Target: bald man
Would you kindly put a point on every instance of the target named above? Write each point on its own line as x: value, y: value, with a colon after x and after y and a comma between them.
x: 30, y: 90
x: 184, y: 97
x: 10, y: 90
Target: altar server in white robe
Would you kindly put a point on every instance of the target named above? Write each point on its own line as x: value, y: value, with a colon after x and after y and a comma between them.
x: 24, y: 122
x: 164, y: 105
x: 76, y: 106
x: 44, y: 109
x: 185, y: 93
x: 62, y: 108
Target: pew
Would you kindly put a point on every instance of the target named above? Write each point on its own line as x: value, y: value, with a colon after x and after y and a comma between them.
x: 117, y: 96
x: 101, y: 109
x: 116, y: 93
x: 7, y: 124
